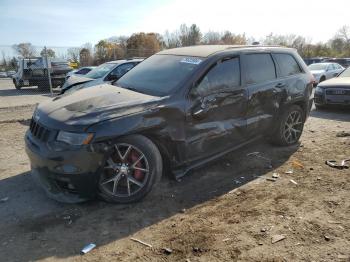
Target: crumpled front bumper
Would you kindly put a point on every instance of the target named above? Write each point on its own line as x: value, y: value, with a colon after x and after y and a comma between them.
x: 69, y: 176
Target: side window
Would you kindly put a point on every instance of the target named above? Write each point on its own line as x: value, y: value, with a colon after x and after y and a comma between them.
x: 288, y: 65
x: 223, y: 75
x: 122, y: 69
x: 260, y: 68
x: 331, y: 67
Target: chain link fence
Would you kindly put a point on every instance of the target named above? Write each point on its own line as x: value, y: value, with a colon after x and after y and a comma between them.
x: 32, y: 74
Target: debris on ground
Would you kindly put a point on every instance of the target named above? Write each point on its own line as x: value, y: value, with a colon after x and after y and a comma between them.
x: 327, y: 238
x: 197, y: 249
x: 141, y: 242
x: 297, y: 164
x: 277, y: 238
x: 289, y: 172
x: 343, y: 257
x: 271, y: 179
x: 88, y: 248
x: 275, y: 175
x: 334, y: 164
x: 167, y: 251
x: 295, y: 183
x: 3, y: 200
x: 226, y: 239
x: 343, y: 134
x: 258, y: 155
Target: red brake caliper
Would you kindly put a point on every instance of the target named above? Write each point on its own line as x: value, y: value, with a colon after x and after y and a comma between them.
x: 137, y: 173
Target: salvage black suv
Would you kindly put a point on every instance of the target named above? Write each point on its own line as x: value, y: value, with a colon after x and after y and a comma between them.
x: 175, y: 111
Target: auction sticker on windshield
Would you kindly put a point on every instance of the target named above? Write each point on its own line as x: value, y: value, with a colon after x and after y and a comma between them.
x: 191, y: 60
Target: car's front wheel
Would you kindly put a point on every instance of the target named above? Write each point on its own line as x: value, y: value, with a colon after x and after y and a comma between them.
x: 132, y: 168
x: 289, y: 127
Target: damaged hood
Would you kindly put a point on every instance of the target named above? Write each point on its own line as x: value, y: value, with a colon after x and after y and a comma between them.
x: 92, y: 105
x: 74, y: 80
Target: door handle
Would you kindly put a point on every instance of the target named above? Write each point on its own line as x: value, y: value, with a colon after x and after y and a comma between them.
x: 280, y: 85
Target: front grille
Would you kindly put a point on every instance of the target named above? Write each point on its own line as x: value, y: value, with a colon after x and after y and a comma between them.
x: 39, y: 131
x: 337, y: 91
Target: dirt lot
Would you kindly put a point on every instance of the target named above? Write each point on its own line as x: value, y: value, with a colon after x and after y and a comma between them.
x: 11, y: 97
x: 226, y: 211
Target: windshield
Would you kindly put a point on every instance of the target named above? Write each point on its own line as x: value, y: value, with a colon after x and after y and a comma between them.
x: 318, y: 66
x: 345, y: 73
x: 100, y: 71
x: 159, y: 74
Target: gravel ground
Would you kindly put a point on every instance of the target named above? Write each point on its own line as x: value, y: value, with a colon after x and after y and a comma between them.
x: 11, y: 97
x: 226, y: 211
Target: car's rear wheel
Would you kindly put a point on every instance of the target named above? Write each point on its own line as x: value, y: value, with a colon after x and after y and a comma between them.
x: 132, y: 168
x: 17, y: 85
x: 290, y: 126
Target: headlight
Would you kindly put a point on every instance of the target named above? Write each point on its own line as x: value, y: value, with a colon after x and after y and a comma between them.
x: 319, y: 90
x: 76, y: 139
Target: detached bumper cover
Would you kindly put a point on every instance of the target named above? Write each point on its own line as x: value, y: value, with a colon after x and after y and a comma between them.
x: 66, y: 176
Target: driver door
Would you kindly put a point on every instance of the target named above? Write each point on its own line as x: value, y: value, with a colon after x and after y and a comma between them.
x: 216, y: 115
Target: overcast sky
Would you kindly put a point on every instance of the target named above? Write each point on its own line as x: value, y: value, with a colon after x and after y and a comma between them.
x: 73, y: 23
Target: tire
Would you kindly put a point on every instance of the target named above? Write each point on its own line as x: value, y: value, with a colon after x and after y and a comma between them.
x: 127, y: 176
x: 283, y: 137
x: 17, y: 86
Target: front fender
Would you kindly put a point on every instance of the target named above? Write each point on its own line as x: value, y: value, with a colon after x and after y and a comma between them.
x: 126, y: 125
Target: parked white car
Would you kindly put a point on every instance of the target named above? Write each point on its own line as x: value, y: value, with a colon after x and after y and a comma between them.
x: 324, y: 71
x: 80, y: 71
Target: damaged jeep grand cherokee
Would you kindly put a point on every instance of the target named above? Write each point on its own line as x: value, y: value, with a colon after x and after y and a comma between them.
x: 177, y: 110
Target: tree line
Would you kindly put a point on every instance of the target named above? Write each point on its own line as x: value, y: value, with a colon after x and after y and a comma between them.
x: 145, y: 44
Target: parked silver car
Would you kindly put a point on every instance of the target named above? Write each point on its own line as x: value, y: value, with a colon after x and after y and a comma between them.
x: 324, y: 71
x: 105, y: 73
x: 334, y: 92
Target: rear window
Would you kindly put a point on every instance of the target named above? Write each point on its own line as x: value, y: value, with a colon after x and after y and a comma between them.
x: 288, y: 65
x: 260, y: 68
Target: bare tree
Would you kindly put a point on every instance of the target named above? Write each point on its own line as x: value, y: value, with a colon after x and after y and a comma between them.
x: 4, y: 62
x: 231, y: 39
x: 50, y: 53
x: 73, y: 54
x: 190, y: 35
x: 172, y: 40
x: 26, y: 50
x: 212, y: 38
x: 344, y: 33
x: 85, y: 57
